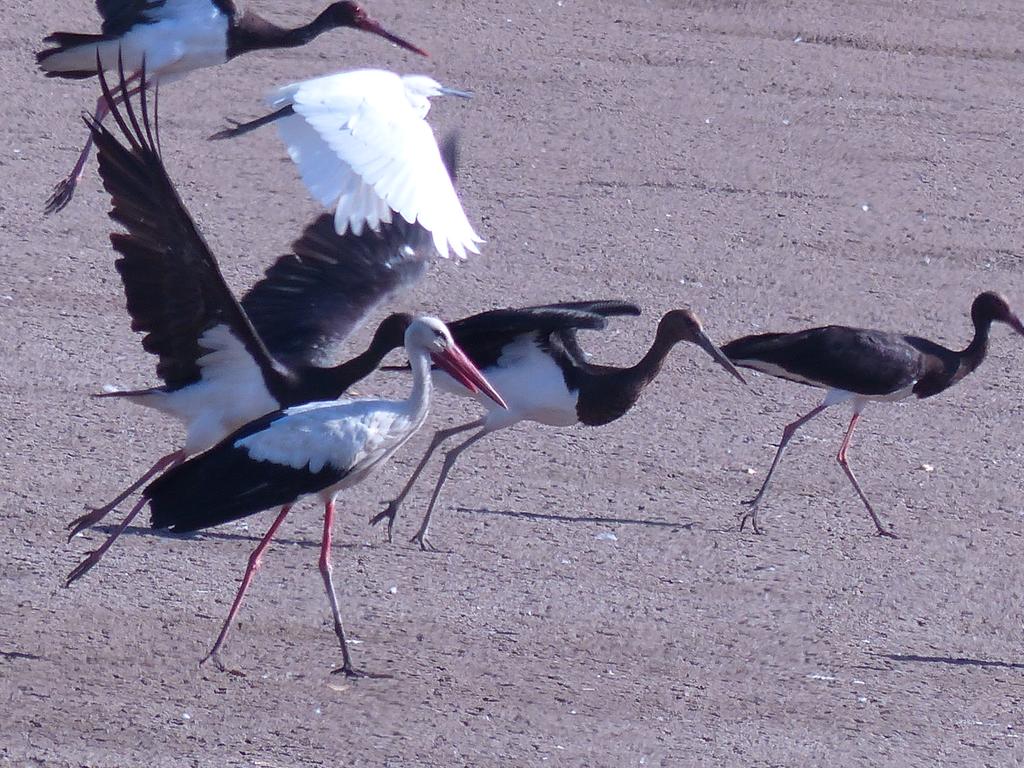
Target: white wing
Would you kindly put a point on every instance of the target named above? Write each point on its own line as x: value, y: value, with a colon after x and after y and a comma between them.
x: 361, y: 145
x: 347, y: 434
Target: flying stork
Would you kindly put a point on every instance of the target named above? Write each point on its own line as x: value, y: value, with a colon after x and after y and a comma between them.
x: 363, y: 146
x: 223, y: 362
x: 173, y: 38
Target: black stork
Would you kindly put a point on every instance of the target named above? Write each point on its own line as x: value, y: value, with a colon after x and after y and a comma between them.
x: 860, y: 366
x: 317, y: 448
x: 175, y: 37
x: 532, y: 357
x: 223, y: 362
x: 363, y: 147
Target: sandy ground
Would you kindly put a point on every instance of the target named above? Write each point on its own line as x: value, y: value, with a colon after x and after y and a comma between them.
x: 850, y: 161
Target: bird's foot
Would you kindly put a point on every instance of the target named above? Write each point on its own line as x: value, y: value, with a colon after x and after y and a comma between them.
x: 84, y: 567
x: 421, y: 539
x: 389, y: 514
x: 751, y: 515
x: 62, y: 194
x: 93, y: 516
x: 355, y: 674
x: 886, y: 533
x: 214, y: 656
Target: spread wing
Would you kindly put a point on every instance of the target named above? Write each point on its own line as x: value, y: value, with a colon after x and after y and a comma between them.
x: 121, y: 15
x: 311, y: 299
x: 174, y: 290
x: 360, y: 146
x: 483, y: 336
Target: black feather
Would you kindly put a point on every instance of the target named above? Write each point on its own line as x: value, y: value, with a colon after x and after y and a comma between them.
x: 317, y: 296
x: 226, y: 484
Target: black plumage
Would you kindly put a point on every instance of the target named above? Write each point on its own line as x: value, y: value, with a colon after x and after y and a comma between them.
x: 177, y: 296
x: 529, y: 349
x: 485, y: 335
x: 226, y: 484
x: 860, y: 365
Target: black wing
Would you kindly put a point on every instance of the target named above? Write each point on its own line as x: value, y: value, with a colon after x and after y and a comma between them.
x: 173, y: 286
x: 483, y: 336
x: 834, y: 356
x: 225, y: 483
x: 315, y: 297
x: 121, y: 15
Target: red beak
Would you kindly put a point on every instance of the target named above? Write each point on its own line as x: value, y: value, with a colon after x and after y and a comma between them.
x: 455, y: 363
x: 369, y: 25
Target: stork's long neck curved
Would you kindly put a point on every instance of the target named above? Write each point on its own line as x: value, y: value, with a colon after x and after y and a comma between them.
x: 606, y: 394
x: 974, y: 353
x: 422, y: 386
x: 252, y: 32
x: 649, y: 366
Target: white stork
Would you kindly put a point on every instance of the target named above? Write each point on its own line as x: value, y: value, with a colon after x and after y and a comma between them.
x: 317, y: 448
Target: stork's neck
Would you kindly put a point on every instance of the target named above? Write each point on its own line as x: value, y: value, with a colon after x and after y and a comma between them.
x: 252, y: 32
x: 422, y: 386
x: 649, y: 366
x: 974, y: 353
x: 608, y: 393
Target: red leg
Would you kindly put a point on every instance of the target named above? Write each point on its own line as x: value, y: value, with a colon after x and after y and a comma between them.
x: 96, y: 514
x: 94, y: 557
x: 787, y: 435
x: 254, y: 565
x: 326, y: 571
x: 65, y: 188
x: 841, y: 458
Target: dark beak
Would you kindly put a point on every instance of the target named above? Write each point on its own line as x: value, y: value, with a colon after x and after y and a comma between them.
x: 369, y: 25
x: 717, y: 355
x: 1014, y: 322
x: 456, y: 364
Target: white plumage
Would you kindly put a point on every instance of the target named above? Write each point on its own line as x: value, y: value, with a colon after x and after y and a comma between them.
x: 181, y: 36
x: 362, y: 145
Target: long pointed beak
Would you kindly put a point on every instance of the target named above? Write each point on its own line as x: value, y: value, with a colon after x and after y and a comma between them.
x: 1015, y: 323
x: 446, y: 91
x: 718, y: 355
x: 456, y: 364
x: 369, y: 25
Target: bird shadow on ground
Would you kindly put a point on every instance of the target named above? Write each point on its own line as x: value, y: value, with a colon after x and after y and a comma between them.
x: 956, y: 661
x: 214, y: 535
x: 14, y: 655
x: 575, y: 518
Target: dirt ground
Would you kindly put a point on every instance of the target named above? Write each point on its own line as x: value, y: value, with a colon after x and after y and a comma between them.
x: 592, y: 603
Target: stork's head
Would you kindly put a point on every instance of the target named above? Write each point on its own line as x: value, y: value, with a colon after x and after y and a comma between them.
x: 428, y: 335
x: 349, y: 14
x: 420, y: 89
x: 683, y: 325
x: 991, y: 306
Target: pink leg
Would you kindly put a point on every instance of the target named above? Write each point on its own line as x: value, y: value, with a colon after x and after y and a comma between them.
x: 96, y: 514
x: 65, y: 188
x: 254, y: 565
x: 94, y: 557
x: 841, y: 458
x: 326, y: 571
x: 787, y: 435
